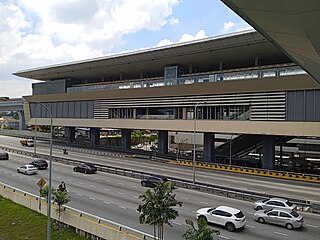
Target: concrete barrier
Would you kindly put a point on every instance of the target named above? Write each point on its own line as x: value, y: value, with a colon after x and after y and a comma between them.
x: 83, y: 223
x: 253, y: 171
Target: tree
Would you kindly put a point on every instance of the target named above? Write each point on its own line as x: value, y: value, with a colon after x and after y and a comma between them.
x: 60, y: 198
x: 157, y: 209
x: 44, y: 192
x: 137, y: 135
x: 202, y: 233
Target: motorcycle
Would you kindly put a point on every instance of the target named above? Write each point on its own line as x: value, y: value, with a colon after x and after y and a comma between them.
x: 65, y: 152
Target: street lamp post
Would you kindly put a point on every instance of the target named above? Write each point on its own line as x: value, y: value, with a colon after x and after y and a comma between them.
x: 194, y: 144
x: 230, y: 150
x: 50, y: 174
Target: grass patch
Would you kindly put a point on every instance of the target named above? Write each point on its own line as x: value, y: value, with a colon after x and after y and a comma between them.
x: 18, y: 222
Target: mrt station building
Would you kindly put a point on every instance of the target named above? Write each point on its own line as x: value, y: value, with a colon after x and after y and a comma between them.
x: 241, y: 84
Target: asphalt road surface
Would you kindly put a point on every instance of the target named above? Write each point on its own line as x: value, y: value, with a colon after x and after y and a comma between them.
x: 116, y: 197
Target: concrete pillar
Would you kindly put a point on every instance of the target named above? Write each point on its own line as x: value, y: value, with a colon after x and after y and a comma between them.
x: 95, y: 136
x: 268, y: 152
x: 163, y: 142
x: 69, y: 134
x: 22, y: 121
x: 208, y: 147
x: 126, y: 138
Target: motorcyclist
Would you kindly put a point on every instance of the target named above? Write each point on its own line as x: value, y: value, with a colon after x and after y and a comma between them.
x: 65, y: 151
x: 62, y: 187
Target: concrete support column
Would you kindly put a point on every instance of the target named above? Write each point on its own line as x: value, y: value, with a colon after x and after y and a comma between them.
x: 163, y: 142
x: 208, y: 147
x: 69, y: 134
x: 95, y: 136
x: 126, y: 138
x: 22, y: 121
x: 268, y: 152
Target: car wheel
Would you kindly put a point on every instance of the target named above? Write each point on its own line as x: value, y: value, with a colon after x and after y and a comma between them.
x: 259, y: 208
x: 86, y: 171
x: 230, y: 227
x: 289, y: 226
x: 204, y: 218
x: 143, y: 184
x: 74, y: 169
x: 261, y: 220
x: 18, y: 171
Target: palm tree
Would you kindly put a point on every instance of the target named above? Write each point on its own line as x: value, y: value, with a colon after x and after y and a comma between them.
x: 202, y: 233
x: 157, y: 209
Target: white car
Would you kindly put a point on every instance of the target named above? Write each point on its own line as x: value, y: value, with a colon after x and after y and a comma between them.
x: 229, y: 217
x: 274, y: 203
x: 27, y: 169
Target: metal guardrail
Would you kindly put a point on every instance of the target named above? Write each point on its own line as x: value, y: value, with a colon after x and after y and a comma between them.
x: 303, y: 205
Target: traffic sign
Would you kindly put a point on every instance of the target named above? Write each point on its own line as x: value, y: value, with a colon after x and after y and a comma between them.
x: 41, y: 183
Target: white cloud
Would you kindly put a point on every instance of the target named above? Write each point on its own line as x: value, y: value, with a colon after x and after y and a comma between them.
x: 235, y: 27
x: 184, y: 38
x: 40, y: 32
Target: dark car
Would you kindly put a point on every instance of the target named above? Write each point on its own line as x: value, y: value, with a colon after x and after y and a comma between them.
x: 152, y: 181
x: 85, y: 168
x: 4, y: 155
x: 39, y: 164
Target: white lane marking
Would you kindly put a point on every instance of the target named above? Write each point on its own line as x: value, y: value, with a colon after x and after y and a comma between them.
x: 106, y: 189
x: 79, y: 194
x: 93, y: 186
x: 134, y: 186
x: 97, y: 178
x: 80, y: 183
x: 250, y: 213
x: 184, y: 198
x: 221, y: 236
x: 177, y: 223
x: 122, y: 207
x: 121, y: 193
x: 308, y: 225
x: 204, y: 202
x: 106, y: 202
x: 120, y: 183
x: 92, y: 198
x: 282, y: 234
x: 137, y: 197
x: 193, y: 211
x: 250, y: 226
x: 107, y: 180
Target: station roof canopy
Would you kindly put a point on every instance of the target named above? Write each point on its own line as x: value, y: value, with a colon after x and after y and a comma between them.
x: 291, y: 25
x: 231, y: 51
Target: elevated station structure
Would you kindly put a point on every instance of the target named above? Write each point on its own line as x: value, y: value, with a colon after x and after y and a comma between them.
x: 241, y: 84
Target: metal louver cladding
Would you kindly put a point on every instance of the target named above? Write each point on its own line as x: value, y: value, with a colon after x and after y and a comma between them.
x: 269, y: 106
x: 100, y: 109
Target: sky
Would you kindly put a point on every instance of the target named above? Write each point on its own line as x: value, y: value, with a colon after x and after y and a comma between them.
x: 36, y: 33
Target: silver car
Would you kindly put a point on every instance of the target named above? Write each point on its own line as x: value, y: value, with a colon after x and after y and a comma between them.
x: 290, y: 220
x: 27, y: 169
x: 274, y: 203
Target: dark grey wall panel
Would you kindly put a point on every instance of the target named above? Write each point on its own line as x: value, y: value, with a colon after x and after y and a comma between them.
x: 77, y: 109
x: 60, y: 110
x: 84, y: 109
x: 90, y: 109
x: 309, y: 106
x: 299, y: 106
x: 71, y: 110
x: 317, y: 105
x: 65, y: 112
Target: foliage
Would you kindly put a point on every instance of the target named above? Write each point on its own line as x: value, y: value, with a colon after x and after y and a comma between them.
x: 137, y: 135
x: 60, y: 198
x: 158, y: 208
x: 202, y: 233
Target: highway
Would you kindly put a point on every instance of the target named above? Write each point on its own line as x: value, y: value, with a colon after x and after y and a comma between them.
x: 116, y: 197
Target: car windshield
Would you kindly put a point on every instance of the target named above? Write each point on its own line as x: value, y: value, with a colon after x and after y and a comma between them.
x: 295, y: 214
x: 289, y: 203
x: 264, y: 200
x: 239, y: 215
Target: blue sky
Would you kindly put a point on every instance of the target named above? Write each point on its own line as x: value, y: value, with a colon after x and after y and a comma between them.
x: 36, y: 33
